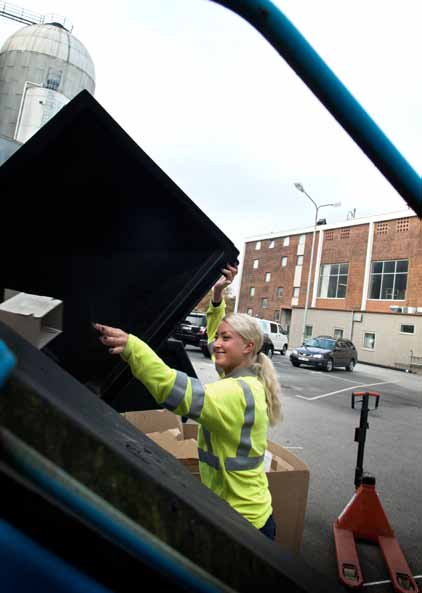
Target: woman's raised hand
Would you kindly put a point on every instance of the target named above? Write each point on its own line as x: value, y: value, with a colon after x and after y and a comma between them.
x: 112, y: 337
x: 227, y: 278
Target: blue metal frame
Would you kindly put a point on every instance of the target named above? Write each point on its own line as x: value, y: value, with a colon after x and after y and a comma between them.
x: 299, y: 54
x: 7, y: 362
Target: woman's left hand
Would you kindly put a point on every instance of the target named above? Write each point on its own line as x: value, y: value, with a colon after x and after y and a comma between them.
x: 116, y: 339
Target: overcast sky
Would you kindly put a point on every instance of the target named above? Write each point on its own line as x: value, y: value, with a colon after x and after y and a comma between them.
x: 228, y: 120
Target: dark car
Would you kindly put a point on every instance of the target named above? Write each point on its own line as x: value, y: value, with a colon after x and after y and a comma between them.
x: 192, y: 329
x: 325, y: 352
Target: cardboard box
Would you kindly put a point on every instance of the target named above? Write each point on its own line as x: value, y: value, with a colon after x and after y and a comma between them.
x: 154, y: 420
x: 288, y: 476
x: 36, y: 318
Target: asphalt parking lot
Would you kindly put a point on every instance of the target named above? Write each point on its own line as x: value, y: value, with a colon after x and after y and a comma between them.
x: 319, y: 426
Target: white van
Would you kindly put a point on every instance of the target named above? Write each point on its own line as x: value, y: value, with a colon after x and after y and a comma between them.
x: 276, y: 333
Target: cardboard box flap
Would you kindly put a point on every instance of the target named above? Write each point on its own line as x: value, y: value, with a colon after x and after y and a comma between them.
x: 154, y: 420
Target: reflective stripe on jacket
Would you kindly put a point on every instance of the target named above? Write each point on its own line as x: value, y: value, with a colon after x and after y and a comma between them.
x: 232, y: 436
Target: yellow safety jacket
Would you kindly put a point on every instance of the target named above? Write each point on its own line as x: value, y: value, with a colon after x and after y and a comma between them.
x: 215, y: 314
x: 232, y: 436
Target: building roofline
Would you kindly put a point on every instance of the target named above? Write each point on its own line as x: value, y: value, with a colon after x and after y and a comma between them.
x: 409, y: 213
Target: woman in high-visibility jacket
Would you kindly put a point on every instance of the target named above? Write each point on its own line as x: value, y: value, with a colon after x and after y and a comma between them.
x: 233, y: 412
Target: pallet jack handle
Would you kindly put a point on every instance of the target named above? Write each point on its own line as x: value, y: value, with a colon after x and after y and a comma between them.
x: 362, y: 397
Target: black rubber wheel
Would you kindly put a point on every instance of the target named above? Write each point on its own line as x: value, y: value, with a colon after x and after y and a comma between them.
x: 295, y: 364
x: 351, y: 365
x: 329, y: 365
x: 284, y: 350
x: 270, y: 352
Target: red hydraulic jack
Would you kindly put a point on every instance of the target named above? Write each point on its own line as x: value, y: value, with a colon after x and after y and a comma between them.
x: 363, y: 518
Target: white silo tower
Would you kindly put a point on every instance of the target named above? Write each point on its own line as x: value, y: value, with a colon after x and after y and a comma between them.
x: 42, y: 67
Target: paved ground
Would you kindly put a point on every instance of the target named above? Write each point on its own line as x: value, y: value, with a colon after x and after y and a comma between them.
x: 319, y: 427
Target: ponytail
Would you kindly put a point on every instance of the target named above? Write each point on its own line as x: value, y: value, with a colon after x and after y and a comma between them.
x: 266, y: 372
x: 249, y: 329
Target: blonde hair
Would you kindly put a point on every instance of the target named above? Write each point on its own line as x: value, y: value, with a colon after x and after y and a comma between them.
x: 249, y: 330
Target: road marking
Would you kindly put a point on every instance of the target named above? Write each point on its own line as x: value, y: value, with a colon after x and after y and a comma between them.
x: 338, y: 377
x: 330, y: 376
x: 301, y: 448
x: 386, y: 582
x: 346, y: 389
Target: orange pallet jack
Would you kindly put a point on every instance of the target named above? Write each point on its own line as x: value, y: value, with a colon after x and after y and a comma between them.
x: 363, y: 518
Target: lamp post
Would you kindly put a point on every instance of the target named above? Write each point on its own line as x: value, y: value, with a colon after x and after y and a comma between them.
x: 317, y: 207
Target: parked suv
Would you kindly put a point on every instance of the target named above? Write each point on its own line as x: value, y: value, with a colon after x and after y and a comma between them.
x: 276, y: 335
x: 325, y: 352
x: 192, y: 329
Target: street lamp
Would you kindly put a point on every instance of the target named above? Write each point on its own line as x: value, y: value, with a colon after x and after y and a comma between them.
x: 317, y: 207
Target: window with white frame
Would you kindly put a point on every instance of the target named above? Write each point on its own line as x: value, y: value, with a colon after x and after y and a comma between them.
x: 299, y: 260
x: 369, y: 341
x: 301, y: 245
x: 252, y: 291
x: 389, y: 280
x: 249, y: 311
x: 264, y: 303
x: 268, y: 277
x: 308, y: 332
x: 277, y: 315
x: 333, y: 281
x: 271, y: 245
x: 283, y: 262
x: 280, y: 292
x: 407, y: 329
x: 255, y: 264
x: 338, y: 333
x: 286, y: 241
x: 296, y: 291
x: 258, y: 245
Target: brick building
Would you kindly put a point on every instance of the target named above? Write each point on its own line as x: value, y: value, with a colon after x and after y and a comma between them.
x: 365, y: 284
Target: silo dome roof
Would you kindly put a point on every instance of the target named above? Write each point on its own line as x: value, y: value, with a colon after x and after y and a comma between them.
x: 53, y: 40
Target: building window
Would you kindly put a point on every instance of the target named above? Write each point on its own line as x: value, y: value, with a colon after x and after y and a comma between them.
x: 283, y: 262
x: 268, y: 277
x: 280, y: 292
x: 286, y: 241
x: 271, y: 245
x: 301, y: 245
x: 277, y: 315
x: 403, y: 225
x: 381, y: 228
x: 329, y: 235
x: 255, y: 264
x: 264, y: 303
x: 389, y: 280
x: 407, y: 329
x: 345, y: 233
x: 369, y: 341
x: 333, y: 281
x: 252, y: 291
x: 299, y: 260
x: 308, y: 332
x: 249, y: 311
x: 258, y: 245
x: 338, y: 333
x: 296, y: 291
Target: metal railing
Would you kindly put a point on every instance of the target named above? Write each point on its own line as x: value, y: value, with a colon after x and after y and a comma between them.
x: 28, y: 17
